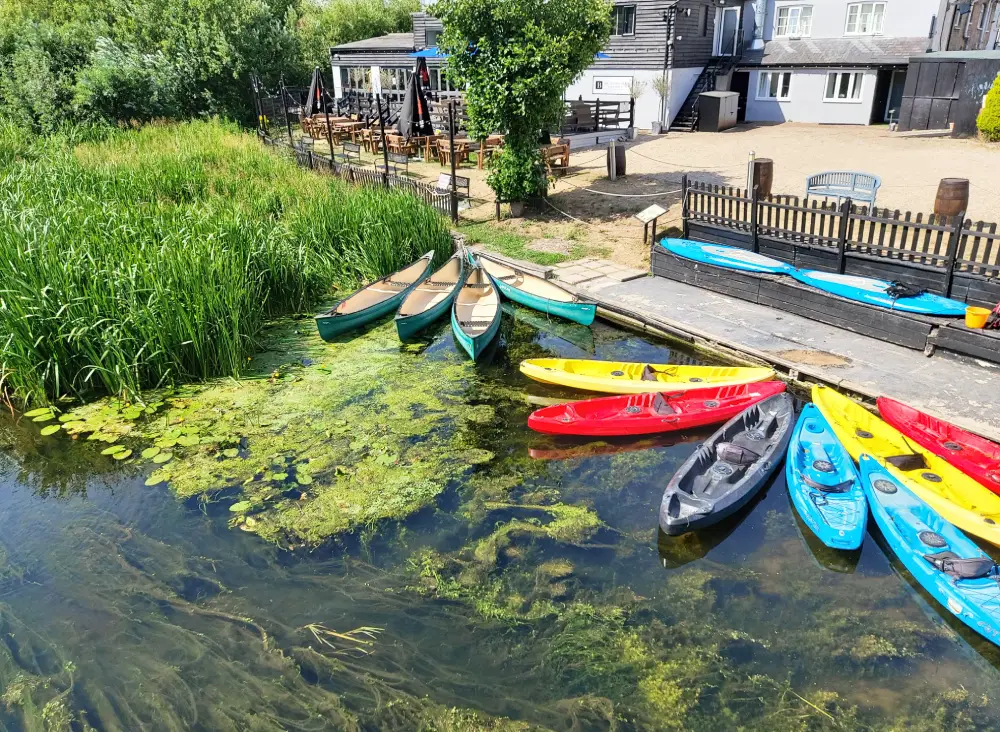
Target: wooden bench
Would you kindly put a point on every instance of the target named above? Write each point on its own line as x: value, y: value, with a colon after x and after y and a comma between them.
x: 841, y: 184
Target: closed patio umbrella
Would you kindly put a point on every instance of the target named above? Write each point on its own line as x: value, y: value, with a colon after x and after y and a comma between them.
x: 415, y: 116
x: 314, y: 100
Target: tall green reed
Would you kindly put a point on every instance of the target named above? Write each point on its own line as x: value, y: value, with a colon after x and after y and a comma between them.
x: 156, y: 255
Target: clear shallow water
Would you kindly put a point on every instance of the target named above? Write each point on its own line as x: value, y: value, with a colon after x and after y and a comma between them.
x: 123, y: 608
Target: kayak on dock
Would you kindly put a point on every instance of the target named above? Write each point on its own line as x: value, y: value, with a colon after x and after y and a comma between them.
x: 475, y: 313
x: 616, y: 377
x: 538, y: 294
x: 958, y: 498
x: 720, y: 255
x: 722, y: 475
x: 430, y: 299
x: 945, y: 562
x: 973, y: 455
x: 372, y: 301
x: 823, y: 483
x: 643, y: 414
x: 880, y: 293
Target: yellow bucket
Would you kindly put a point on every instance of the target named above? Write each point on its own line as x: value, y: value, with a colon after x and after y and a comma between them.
x: 976, y: 317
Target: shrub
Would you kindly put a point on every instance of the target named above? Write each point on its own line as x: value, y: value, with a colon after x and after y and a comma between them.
x: 988, y: 121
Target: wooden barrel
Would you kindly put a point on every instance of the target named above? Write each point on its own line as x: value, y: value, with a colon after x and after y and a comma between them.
x: 952, y: 197
x: 619, y: 149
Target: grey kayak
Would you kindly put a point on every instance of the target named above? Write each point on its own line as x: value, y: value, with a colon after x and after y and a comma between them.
x: 724, y: 473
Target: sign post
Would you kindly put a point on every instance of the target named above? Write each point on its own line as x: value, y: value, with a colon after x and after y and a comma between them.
x: 649, y: 216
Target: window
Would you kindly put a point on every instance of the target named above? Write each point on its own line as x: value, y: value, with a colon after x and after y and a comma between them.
x: 865, y: 19
x: 774, y: 85
x: 843, y: 86
x: 623, y: 20
x: 431, y: 37
x: 794, y: 21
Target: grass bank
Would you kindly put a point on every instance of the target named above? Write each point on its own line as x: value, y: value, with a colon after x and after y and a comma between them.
x: 157, y: 255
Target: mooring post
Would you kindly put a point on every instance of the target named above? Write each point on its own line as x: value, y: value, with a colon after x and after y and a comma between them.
x: 684, y: 206
x: 755, y: 219
x: 845, y: 219
x: 954, y: 242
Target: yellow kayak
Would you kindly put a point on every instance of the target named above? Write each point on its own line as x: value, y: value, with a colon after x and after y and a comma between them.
x: 614, y: 377
x: 961, y: 500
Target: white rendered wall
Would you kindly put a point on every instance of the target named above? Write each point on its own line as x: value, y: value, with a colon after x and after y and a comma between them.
x: 806, y: 103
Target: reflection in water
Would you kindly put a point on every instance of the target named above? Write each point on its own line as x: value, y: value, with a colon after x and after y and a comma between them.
x: 531, y: 591
x: 836, y: 560
x: 568, y: 448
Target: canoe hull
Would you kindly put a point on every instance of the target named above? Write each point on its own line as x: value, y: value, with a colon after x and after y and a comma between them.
x: 639, y: 414
x: 729, y: 469
x: 718, y: 255
x: 973, y: 455
x: 913, y: 530
x: 613, y: 377
x: 475, y: 346
x: 579, y: 312
x: 872, y: 292
x: 959, y: 499
x: 824, y: 486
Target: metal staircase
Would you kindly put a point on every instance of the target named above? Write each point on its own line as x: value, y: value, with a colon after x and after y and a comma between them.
x: 687, y: 118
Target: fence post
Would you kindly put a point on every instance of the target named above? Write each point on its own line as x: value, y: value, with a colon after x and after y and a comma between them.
x: 326, y: 113
x: 684, y: 203
x: 755, y: 219
x: 954, y: 242
x: 288, y: 120
x: 385, y: 144
x: 451, y: 145
x: 631, y: 111
x: 845, y: 218
x: 597, y: 115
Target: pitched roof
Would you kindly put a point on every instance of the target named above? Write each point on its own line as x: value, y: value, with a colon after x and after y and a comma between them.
x: 835, y: 51
x: 389, y: 42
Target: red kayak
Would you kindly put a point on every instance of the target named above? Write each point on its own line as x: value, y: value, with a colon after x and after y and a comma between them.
x: 975, y: 456
x: 643, y: 414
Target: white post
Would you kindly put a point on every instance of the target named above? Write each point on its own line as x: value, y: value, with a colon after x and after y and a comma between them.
x: 753, y: 157
x: 376, y: 80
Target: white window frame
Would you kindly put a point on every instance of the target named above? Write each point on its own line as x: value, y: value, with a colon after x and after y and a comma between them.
x: 614, y: 19
x: 859, y: 7
x: 857, y: 83
x: 761, y: 75
x: 799, y: 31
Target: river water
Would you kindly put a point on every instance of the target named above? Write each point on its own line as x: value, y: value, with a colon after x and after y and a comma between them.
x: 122, y: 607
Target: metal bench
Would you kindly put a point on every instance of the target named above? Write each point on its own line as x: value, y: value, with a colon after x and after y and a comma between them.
x: 841, y: 184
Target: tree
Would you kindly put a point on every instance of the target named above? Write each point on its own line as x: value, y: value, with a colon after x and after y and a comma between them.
x: 988, y: 121
x: 515, y: 59
x: 326, y: 23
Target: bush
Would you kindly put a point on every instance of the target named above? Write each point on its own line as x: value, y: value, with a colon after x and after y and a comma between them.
x: 156, y: 255
x: 988, y: 121
x: 517, y: 172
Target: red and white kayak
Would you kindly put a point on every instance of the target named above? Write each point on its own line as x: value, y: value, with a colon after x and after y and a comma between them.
x: 975, y: 456
x: 643, y: 414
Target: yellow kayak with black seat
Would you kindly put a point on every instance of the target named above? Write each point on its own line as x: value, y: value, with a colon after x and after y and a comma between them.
x: 616, y: 377
x: 958, y: 498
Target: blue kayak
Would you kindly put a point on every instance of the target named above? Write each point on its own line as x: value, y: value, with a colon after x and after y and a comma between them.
x: 824, y: 486
x: 873, y: 292
x: 940, y: 557
x: 723, y: 256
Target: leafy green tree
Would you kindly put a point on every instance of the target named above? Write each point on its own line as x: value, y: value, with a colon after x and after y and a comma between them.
x: 988, y: 121
x: 322, y: 24
x: 515, y: 59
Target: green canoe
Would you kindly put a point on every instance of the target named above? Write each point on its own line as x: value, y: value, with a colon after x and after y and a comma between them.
x: 430, y: 299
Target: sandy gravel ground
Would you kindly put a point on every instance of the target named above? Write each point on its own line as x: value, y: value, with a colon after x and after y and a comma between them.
x: 910, y: 168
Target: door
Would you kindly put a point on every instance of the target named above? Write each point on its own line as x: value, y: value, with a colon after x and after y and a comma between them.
x: 741, y: 85
x: 880, y: 100
x: 729, y: 30
x: 895, y: 96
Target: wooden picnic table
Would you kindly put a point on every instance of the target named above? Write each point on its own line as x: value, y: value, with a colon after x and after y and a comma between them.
x: 461, y: 151
x: 427, y: 142
x: 557, y: 156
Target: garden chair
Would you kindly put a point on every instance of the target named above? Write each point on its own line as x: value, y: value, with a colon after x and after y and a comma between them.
x: 841, y: 184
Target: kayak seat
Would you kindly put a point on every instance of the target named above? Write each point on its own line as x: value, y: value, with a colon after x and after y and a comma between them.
x: 730, y: 452
x: 958, y: 568
x: 906, y: 463
x: 838, y: 488
x: 660, y: 405
x: 648, y: 374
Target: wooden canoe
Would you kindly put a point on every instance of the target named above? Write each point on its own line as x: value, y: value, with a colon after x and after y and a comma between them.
x: 538, y: 294
x: 372, y: 301
x: 430, y: 299
x: 475, y: 314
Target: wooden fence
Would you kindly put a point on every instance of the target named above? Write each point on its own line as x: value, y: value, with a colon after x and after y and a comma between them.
x: 952, y: 256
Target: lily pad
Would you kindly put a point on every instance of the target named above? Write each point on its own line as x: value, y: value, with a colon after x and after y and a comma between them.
x: 50, y: 429
x: 162, y: 457
x: 165, y: 442
x: 38, y: 412
x: 231, y: 452
x: 122, y: 455
x: 67, y: 418
x: 151, y: 452
x: 155, y: 479
x: 113, y: 449
x: 48, y: 416
x: 188, y: 440
x: 279, y: 476
x: 304, y: 479
x: 241, y: 507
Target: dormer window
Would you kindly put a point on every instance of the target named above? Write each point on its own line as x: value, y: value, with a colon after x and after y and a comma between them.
x: 793, y: 21
x: 865, y: 19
